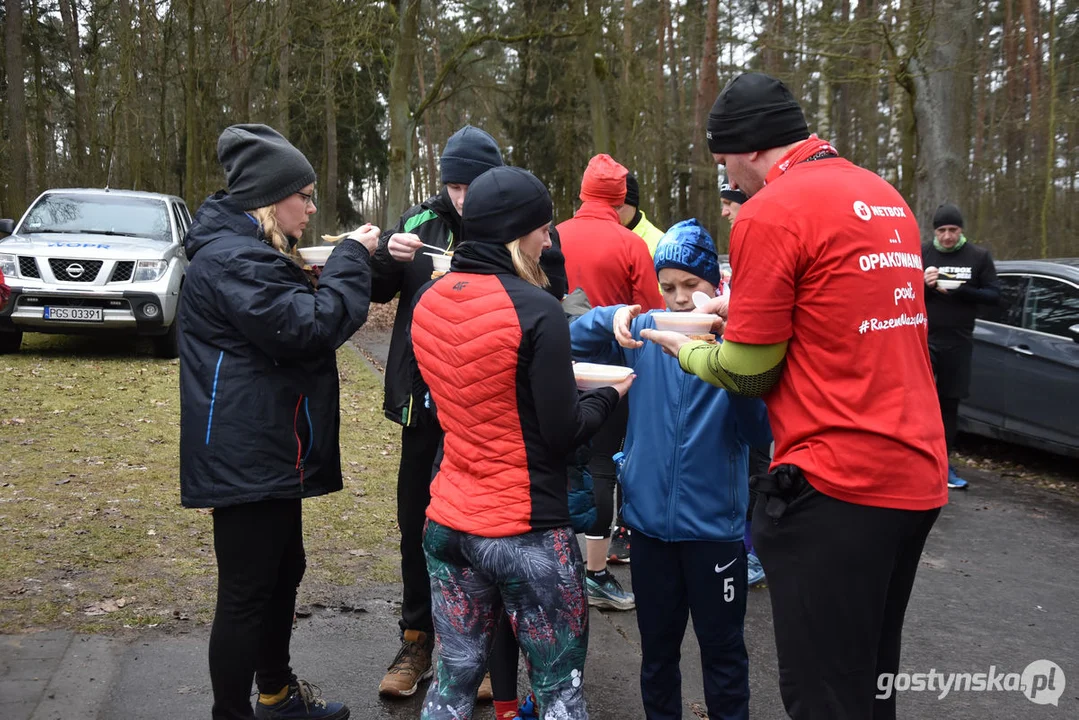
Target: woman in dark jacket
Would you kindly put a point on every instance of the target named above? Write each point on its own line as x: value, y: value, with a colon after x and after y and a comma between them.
x: 493, y: 348
x: 259, y: 414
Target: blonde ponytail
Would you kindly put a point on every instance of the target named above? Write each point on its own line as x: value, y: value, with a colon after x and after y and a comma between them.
x: 527, y: 268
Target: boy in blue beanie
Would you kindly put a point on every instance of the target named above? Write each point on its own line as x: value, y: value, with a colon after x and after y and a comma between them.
x: 685, y: 488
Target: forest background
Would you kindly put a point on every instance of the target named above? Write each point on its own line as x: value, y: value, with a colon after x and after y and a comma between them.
x: 949, y: 100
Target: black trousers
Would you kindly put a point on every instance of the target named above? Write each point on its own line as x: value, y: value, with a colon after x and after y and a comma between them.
x: 260, y: 562
x: 839, y: 576
x: 419, y: 445
x: 672, y: 580
x: 606, y: 442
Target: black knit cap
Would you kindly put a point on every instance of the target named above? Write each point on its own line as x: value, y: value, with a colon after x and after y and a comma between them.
x: 261, y: 166
x: 503, y: 204
x: 633, y: 191
x: 469, y: 153
x: 731, y: 193
x: 755, y: 112
x: 947, y: 214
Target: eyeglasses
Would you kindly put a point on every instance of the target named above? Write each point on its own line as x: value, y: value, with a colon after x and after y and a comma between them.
x: 308, y: 198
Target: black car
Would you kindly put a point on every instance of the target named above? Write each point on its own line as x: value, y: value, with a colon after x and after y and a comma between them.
x: 1025, y: 372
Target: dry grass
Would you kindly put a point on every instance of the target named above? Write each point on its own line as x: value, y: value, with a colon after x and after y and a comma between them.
x: 94, y: 537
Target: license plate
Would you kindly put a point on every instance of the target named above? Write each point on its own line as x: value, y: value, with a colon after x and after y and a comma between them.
x: 74, y: 313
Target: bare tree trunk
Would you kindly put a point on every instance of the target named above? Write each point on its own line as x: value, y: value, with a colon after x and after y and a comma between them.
x: 191, y: 159
x: 402, y: 123
x: 329, y: 172
x: 15, y: 101
x: 69, y: 15
x: 702, y: 195
x: 283, y: 54
x: 595, y: 74
x: 42, y: 134
x: 943, y: 80
x: 660, y: 113
x: 1050, y: 155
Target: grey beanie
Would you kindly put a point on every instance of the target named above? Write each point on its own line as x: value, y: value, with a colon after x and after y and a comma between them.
x: 261, y: 166
x: 469, y: 153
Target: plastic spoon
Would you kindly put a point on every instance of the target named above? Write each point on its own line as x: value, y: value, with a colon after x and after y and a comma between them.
x: 699, y: 299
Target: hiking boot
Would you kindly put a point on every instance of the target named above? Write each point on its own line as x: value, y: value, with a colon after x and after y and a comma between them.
x: 608, y: 593
x: 485, y: 693
x: 411, y: 666
x: 754, y: 570
x: 303, y: 702
x: 954, y: 481
x: 619, y: 550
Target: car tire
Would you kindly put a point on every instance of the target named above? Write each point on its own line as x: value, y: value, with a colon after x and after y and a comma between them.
x: 10, y: 342
x: 167, y: 346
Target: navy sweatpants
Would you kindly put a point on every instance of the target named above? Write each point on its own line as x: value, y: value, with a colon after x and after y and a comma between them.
x: 708, y: 579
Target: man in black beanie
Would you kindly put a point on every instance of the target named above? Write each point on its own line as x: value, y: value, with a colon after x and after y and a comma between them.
x: 958, y: 277
x: 827, y: 322
x: 632, y: 217
x: 401, y: 270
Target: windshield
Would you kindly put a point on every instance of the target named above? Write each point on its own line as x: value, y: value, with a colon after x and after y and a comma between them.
x: 99, y: 214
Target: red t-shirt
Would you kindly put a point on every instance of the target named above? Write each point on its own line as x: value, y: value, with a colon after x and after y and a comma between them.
x: 828, y: 256
x: 608, y: 261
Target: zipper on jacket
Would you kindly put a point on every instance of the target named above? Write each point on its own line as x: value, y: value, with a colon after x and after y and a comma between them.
x: 299, y: 445
x: 213, y: 396
x: 677, y: 455
x: 730, y: 481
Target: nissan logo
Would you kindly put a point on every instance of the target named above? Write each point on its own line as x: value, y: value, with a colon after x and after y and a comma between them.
x: 74, y: 270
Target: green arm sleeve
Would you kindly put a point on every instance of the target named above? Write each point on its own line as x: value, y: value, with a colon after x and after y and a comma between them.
x: 750, y: 370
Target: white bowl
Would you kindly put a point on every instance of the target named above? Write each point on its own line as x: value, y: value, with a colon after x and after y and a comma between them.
x: 594, y: 375
x: 441, y: 261
x: 687, y: 323
x: 949, y: 284
x: 316, y: 256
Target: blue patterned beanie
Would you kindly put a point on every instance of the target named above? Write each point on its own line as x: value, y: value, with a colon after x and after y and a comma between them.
x: 688, y: 246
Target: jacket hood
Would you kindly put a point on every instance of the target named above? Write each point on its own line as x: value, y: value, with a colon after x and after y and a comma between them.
x: 218, y: 217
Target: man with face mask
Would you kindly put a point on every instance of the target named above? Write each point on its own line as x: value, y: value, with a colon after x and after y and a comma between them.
x: 827, y: 323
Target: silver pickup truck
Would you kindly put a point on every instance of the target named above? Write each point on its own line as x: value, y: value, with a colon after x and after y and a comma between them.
x: 86, y: 261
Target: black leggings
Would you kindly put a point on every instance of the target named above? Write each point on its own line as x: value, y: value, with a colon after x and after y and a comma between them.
x: 503, y: 662
x: 605, y: 444
x: 260, y: 562
x: 949, y: 413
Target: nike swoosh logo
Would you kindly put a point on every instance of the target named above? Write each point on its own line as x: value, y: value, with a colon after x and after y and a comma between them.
x: 721, y: 569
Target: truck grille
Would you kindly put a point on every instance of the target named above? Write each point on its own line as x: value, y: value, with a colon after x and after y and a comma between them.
x: 75, y: 270
x: 83, y: 302
x: 123, y: 271
x: 28, y: 267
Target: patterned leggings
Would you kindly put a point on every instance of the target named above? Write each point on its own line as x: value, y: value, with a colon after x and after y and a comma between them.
x: 539, y: 578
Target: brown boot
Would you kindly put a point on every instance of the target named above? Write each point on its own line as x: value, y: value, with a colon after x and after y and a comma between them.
x: 486, y: 693
x: 411, y: 666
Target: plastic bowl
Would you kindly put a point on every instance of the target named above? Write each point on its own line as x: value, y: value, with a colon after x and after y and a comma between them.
x: 949, y: 284
x: 687, y: 323
x: 316, y: 256
x: 593, y: 375
x: 441, y: 261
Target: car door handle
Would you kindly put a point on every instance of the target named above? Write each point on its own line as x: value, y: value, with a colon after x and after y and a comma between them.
x: 1021, y: 349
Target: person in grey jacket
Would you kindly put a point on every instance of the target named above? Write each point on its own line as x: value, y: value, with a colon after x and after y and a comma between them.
x: 259, y: 414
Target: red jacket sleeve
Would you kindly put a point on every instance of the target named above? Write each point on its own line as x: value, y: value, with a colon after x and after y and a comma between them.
x: 5, y: 291
x: 644, y: 283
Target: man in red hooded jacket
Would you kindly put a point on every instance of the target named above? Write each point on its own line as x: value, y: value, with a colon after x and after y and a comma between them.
x: 612, y: 265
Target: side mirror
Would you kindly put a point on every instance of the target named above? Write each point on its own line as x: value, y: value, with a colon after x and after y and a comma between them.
x: 7, y: 227
x: 1074, y: 332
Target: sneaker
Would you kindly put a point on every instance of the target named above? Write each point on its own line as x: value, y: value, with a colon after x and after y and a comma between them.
x: 755, y: 571
x: 411, y: 666
x: 619, y: 550
x: 528, y: 710
x: 303, y: 702
x: 608, y: 594
x: 486, y: 693
x: 954, y: 481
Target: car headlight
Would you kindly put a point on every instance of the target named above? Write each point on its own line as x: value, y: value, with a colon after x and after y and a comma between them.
x: 9, y: 265
x: 149, y: 270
